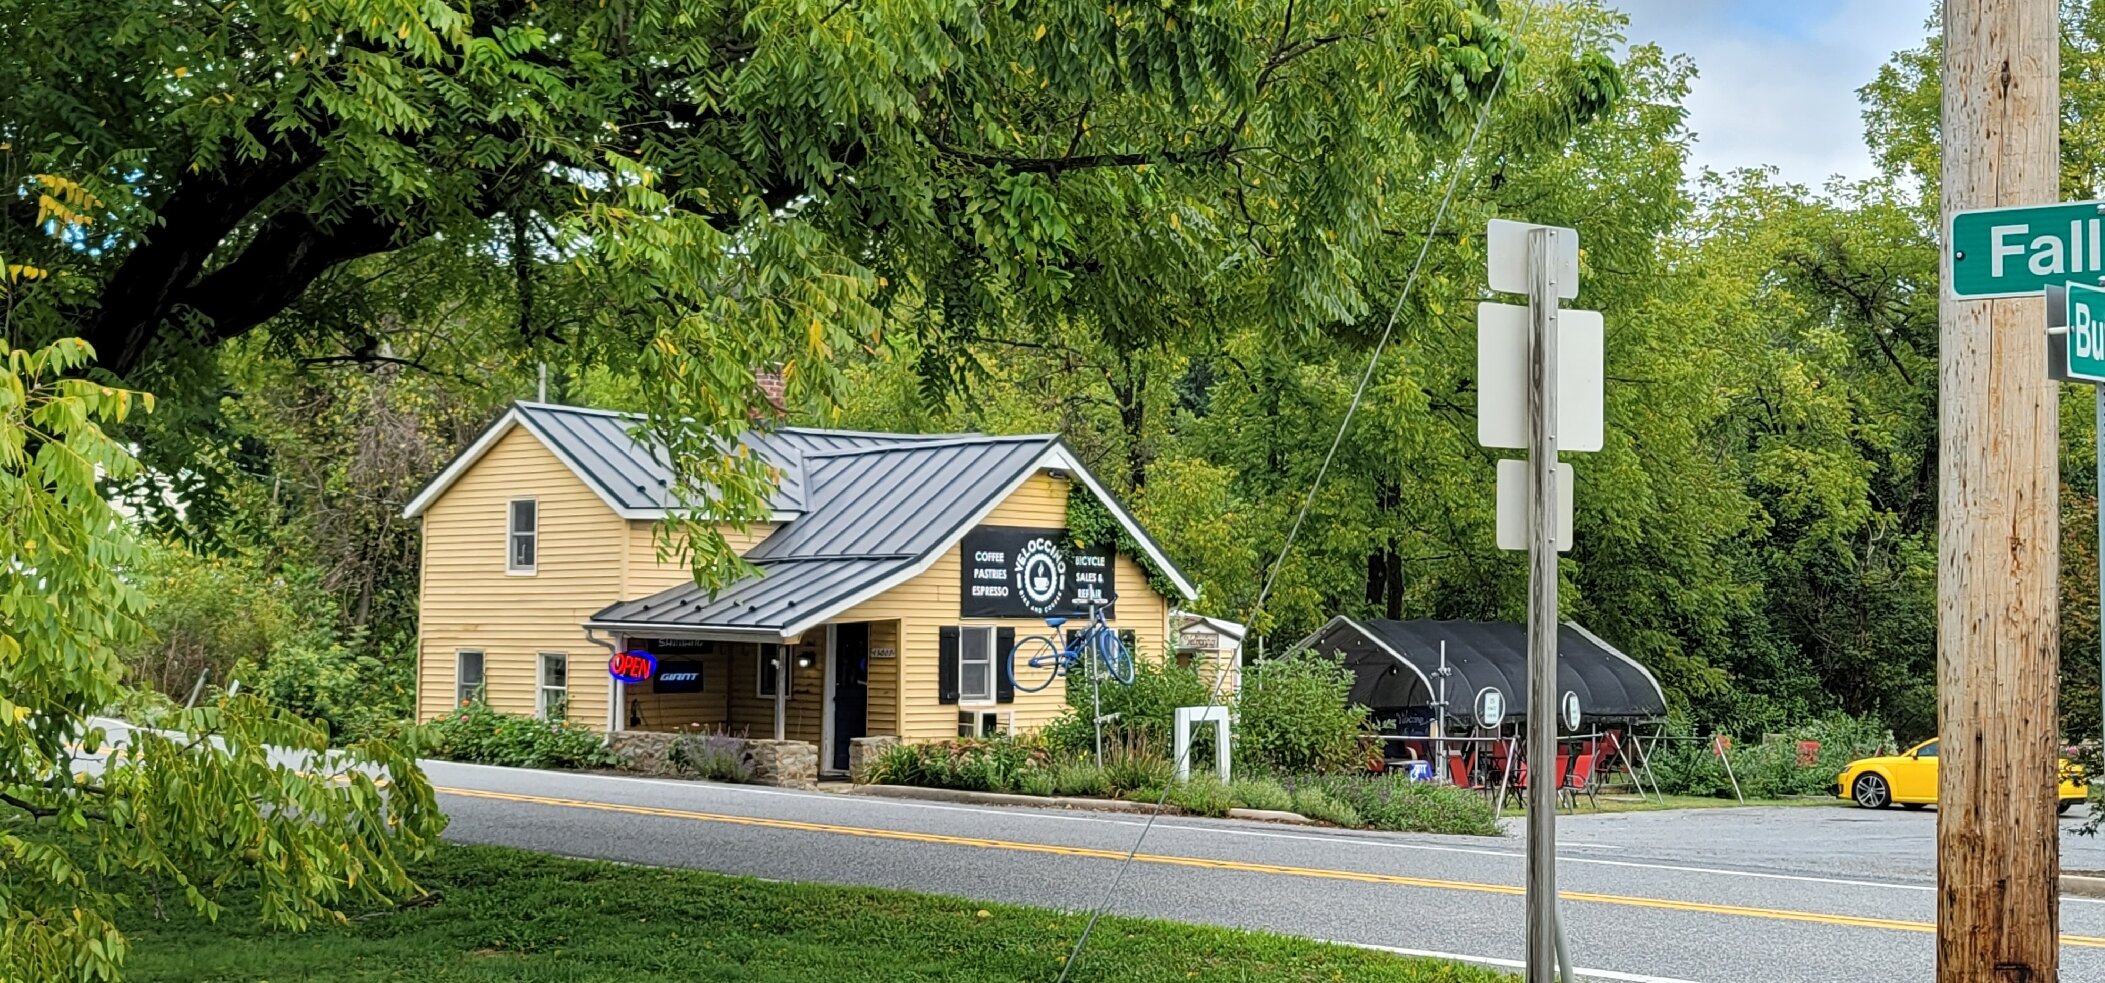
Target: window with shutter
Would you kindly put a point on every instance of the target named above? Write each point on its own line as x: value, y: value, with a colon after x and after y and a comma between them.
x: 976, y: 665
x: 1004, y: 665
x: 946, y: 664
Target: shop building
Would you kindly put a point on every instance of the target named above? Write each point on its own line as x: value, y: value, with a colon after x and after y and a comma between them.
x: 894, y: 576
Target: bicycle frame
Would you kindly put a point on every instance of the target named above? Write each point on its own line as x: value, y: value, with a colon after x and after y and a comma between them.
x: 1055, y: 657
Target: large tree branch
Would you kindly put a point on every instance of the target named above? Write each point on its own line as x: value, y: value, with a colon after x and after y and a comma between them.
x: 286, y: 255
x: 203, y: 210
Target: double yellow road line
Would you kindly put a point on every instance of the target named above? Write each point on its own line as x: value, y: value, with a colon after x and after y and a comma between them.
x: 1363, y: 877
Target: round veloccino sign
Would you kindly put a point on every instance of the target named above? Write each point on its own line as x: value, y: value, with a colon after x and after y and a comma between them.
x: 1041, y: 575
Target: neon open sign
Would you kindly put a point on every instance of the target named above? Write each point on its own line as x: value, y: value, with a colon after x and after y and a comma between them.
x: 634, y: 666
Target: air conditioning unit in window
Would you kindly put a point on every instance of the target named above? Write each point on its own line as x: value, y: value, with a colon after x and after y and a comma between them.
x: 985, y: 723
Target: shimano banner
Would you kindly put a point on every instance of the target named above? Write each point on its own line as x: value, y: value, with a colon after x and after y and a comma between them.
x: 1032, y: 573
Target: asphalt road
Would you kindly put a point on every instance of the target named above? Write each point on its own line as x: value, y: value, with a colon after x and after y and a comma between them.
x: 1833, y: 895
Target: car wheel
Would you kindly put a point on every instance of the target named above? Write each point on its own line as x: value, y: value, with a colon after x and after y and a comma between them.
x: 1871, y: 792
x: 2062, y: 807
x: 1914, y: 806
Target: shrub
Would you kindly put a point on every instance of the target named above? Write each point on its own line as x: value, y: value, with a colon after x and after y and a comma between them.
x: 718, y: 757
x: 994, y: 764
x: 1294, y: 716
x: 1133, y: 765
x: 1317, y: 805
x: 1203, y: 795
x: 1146, y: 708
x: 1260, y: 793
x: 477, y: 734
x: 335, y: 682
x: 1393, y: 802
x: 1769, y: 768
x: 1080, y: 778
x: 1685, y: 768
x: 1038, y: 781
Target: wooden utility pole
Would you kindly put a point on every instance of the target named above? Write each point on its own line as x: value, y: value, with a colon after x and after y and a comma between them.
x: 1998, y: 853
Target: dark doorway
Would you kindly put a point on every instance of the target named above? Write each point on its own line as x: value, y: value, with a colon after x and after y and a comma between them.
x: 851, y: 688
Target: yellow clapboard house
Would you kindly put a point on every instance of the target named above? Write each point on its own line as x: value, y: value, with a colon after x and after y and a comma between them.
x: 889, y: 591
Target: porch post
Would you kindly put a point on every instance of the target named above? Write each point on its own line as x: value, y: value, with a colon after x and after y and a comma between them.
x: 617, y: 693
x: 781, y: 689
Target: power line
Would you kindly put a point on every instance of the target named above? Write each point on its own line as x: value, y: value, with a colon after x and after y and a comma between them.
x: 1359, y: 393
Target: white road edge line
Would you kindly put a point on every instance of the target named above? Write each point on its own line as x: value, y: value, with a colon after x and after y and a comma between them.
x: 1597, y: 974
x: 1027, y: 813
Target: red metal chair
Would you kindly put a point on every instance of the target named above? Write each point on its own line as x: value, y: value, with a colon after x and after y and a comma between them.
x: 1579, y: 777
x: 1458, y: 771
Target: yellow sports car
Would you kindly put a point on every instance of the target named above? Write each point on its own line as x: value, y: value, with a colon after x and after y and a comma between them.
x: 1910, y: 778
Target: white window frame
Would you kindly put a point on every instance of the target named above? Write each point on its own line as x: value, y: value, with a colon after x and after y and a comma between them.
x: 542, y: 687
x: 512, y: 534
x: 992, y: 661
x: 763, y: 680
x: 482, y: 676
x: 976, y: 721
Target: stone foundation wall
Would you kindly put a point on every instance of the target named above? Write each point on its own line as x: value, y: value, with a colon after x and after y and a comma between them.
x: 863, y: 752
x: 643, y: 751
x: 790, y: 764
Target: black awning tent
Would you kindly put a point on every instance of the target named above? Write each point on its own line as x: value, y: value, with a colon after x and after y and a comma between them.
x: 1396, y: 667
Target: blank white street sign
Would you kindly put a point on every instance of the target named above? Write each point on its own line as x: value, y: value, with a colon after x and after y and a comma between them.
x: 1502, y: 377
x: 1506, y: 248
x: 1513, y: 506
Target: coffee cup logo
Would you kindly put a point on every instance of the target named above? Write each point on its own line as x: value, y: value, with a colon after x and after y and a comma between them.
x: 1041, y: 575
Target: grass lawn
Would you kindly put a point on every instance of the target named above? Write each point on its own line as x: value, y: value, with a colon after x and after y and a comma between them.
x: 1656, y: 803
x: 517, y: 916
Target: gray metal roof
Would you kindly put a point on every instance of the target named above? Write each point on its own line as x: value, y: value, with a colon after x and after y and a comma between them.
x: 785, y: 593
x: 870, y: 514
x: 618, y: 454
x: 899, y: 501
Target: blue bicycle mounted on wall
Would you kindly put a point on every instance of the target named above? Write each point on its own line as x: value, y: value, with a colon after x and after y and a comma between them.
x: 1039, y: 659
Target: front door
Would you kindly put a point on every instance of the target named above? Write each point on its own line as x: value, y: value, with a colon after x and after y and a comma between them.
x: 851, y: 688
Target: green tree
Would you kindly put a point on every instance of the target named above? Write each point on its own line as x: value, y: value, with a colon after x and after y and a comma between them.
x: 689, y: 191
x: 202, y: 809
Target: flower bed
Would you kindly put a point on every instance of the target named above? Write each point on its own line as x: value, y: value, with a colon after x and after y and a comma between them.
x: 1132, y: 771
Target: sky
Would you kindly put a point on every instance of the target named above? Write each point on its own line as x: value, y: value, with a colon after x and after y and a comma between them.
x: 1777, y: 79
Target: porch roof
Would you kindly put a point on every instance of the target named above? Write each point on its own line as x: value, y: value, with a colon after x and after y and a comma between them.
x: 768, y: 607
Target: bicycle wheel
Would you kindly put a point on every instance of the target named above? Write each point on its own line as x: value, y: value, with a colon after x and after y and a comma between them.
x: 1116, y: 658
x: 1034, y: 663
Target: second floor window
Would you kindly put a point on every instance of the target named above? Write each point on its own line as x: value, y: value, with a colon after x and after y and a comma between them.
x: 522, y: 537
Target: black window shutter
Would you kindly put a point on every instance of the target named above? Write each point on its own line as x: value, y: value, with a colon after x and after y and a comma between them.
x: 1004, y: 679
x: 1131, y: 641
x: 946, y: 664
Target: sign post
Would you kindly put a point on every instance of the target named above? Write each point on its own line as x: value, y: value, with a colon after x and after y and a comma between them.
x: 2076, y: 353
x: 1561, y: 365
x: 1542, y: 606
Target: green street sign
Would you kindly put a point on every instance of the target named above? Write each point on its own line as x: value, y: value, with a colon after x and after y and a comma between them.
x: 2017, y: 252
x: 2086, y: 333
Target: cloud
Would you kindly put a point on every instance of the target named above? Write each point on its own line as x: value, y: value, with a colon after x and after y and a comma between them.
x: 1777, y: 80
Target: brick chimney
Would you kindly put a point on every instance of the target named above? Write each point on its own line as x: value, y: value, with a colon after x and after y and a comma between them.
x: 769, y: 379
